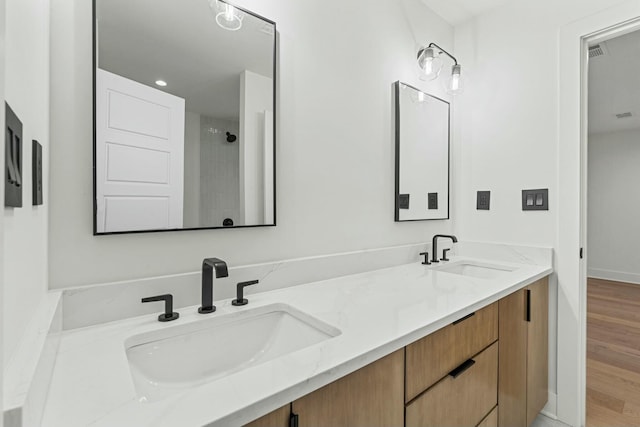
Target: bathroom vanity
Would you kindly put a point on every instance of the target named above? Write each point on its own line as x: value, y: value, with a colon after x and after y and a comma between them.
x: 487, y: 369
x: 405, y: 344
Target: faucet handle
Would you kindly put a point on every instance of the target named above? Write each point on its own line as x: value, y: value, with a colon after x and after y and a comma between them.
x: 426, y: 258
x: 169, y: 314
x: 444, y: 254
x: 240, y: 300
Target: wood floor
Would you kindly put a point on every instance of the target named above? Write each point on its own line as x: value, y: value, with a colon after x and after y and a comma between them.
x: 613, y: 353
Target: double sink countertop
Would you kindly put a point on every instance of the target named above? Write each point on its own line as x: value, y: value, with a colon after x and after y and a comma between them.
x: 376, y: 313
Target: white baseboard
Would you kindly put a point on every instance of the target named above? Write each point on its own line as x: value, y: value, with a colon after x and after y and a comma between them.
x: 618, y: 276
x: 550, y: 410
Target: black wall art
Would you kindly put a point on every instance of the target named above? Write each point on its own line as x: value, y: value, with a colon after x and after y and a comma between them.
x: 13, y: 159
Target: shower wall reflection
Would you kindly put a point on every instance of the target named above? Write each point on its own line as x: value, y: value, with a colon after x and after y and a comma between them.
x: 219, y: 172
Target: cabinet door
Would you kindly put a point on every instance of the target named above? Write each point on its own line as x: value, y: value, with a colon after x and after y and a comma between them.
x: 371, y: 396
x: 277, y: 418
x: 512, y: 356
x: 537, y: 348
x: 523, y: 371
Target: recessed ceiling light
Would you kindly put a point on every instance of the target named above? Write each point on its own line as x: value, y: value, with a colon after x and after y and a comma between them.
x: 161, y: 83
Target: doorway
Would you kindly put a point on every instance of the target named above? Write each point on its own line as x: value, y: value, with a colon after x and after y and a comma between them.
x: 613, y: 232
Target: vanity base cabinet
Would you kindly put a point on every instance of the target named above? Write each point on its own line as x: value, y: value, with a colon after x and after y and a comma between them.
x: 371, y: 396
x: 463, y: 398
x: 487, y: 369
x: 523, y: 355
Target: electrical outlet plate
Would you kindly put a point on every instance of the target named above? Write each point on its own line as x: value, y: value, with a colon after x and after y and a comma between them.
x: 482, y: 200
x: 432, y: 201
x: 403, y: 201
x: 535, y: 200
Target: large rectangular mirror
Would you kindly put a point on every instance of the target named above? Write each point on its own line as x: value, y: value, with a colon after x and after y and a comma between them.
x: 422, y: 155
x: 184, y: 116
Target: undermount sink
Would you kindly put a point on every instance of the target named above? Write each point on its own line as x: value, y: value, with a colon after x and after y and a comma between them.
x: 476, y: 269
x: 169, y: 360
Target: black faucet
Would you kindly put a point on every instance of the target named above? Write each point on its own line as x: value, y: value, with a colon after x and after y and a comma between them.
x: 434, y: 244
x: 208, y: 265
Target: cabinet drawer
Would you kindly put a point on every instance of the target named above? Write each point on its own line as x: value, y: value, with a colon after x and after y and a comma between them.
x: 461, y: 401
x: 435, y: 355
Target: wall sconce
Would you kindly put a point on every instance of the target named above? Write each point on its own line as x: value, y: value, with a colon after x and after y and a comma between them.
x: 228, y: 16
x: 430, y: 65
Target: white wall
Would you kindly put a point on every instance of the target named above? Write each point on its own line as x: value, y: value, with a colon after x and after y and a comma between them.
x: 614, y: 205
x: 25, y: 229
x: 335, y: 158
x: 507, y: 131
x: 2, y: 148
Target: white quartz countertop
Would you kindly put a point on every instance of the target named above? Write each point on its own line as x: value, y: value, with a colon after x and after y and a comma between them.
x: 377, y: 312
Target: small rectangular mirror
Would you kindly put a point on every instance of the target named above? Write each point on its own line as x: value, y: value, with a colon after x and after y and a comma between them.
x: 422, y: 155
x: 184, y: 116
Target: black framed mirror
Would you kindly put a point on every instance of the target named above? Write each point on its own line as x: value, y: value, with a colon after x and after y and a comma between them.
x: 422, y: 155
x: 184, y: 116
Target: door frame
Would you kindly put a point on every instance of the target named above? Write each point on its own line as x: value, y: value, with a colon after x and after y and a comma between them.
x: 574, y: 40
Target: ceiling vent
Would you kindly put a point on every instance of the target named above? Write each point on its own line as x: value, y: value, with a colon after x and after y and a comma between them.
x: 623, y: 115
x: 597, y: 50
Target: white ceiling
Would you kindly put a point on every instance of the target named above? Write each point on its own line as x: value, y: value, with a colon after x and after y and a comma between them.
x: 614, y: 85
x: 458, y: 11
x: 179, y: 42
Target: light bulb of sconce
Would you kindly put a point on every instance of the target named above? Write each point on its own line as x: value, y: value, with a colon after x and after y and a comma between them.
x: 228, y: 12
x: 429, y: 63
x: 455, y: 84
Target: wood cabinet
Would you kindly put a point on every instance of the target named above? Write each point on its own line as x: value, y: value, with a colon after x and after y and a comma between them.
x: 523, y: 369
x: 453, y: 377
x: 371, y: 396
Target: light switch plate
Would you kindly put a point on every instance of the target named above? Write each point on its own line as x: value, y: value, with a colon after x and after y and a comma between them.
x: 36, y: 169
x: 535, y: 200
x: 483, y: 200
